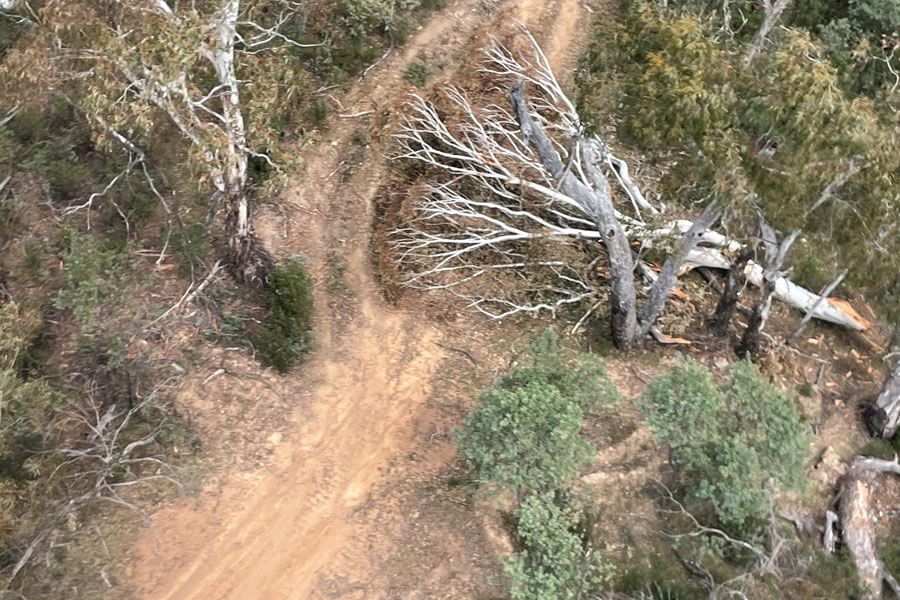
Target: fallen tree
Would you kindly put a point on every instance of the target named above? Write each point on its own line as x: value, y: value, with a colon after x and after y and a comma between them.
x: 858, y: 523
x: 516, y: 199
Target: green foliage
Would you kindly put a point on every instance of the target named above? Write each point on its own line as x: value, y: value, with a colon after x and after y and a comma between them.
x: 191, y: 247
x: 805, y: 390
x: 525, y: 432
x: 729, y: 439
x: 316, y: 113
x: 25, y: 405
x: 662, y: 580
x: 859, y: 36
x: 417, y: 73
x: 583, y: 380
x: 881, y: 448
x: 285, y: 337
x: 891, y: 556
x: 825, y: 577
x: 552, y: 563
x: 527, y: 436
x: 93, y: 279
x: 366, y: 16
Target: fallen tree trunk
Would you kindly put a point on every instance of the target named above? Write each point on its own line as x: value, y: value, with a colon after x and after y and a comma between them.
x: 832, y: 310
x: 858, y: 523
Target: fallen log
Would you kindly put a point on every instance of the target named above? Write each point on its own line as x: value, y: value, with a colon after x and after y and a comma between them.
x: 717, y: 252
x: 832, y: 310
x: 884, y: 416
x: 858, y: 523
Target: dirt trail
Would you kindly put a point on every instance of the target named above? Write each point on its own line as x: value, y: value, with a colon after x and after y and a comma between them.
x: 267, y: 534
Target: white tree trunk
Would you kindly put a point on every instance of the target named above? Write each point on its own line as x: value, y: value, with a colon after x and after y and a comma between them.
x: 771, y: 14
x: 231, y: 181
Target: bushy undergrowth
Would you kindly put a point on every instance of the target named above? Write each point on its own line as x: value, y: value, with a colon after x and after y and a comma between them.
x: 730, y: 440
x: 285, y: 338
x: 552, y: 564
x: 93, y: 280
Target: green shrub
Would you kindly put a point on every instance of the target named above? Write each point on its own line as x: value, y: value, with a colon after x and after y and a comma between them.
x: 417, y: 74
x: 285, y: 338
x: 525, y: 433
x: 365, y: 17
x: 191, y: 247
x: 881, y: 448
x: 552, y: 563
x: 317, y: 113
x: 93, y: 278
x: 729, y: 440
x: 24, y: 404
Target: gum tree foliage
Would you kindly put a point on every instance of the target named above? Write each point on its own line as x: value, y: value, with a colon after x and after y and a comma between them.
x: 365, y: 15
x: 524, y: 433
x: 24, y: 418
x: 732, y: 440
x: 780, y: 134
x: 861, y: 37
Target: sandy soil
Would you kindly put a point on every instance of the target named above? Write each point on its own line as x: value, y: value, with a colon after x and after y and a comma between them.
x: 342, y: 508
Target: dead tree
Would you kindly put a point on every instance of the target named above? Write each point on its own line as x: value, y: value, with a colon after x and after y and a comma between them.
x: 884, y: 416
x: 527, y: 174
x: 516, y: 198
x: 111, y: 455
x: 768, y: 552
x: 858, y: 523
x: 775, y: 254
x: 728, y: 301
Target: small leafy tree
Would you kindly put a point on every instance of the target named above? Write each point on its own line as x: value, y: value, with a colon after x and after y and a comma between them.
x: 553, y: 563
x: 524, y: 434
x: 729, y: 440
x: 93, y: 280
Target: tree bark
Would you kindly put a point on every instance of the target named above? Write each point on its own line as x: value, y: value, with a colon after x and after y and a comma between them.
x: 751, y: 341
x: 776, y: 252
x: 628, y: 328
x: 718, y: 323
x: 884, y: 416
x: 598, y: 204
x: 250, y: 263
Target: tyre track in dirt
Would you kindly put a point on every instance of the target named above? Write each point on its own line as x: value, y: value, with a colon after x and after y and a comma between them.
x: 267, y: 534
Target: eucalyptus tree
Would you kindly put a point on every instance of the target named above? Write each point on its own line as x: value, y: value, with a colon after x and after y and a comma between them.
x: 215, y: 70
